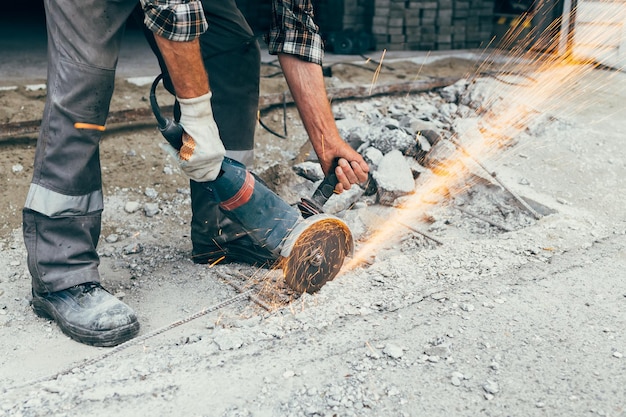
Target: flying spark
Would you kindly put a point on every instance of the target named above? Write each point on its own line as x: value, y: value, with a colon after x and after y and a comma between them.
x: 530, y: 85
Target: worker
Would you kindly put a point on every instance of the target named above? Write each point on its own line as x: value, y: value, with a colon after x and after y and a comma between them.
x: 62, y: 213
x: 232, y: 59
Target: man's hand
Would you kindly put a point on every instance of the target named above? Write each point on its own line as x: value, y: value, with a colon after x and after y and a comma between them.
x: 351, y: 167
x: 306, y: 84
x: 202, y: 152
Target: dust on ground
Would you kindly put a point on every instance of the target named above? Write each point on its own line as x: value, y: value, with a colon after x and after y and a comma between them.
x: 527, y: 322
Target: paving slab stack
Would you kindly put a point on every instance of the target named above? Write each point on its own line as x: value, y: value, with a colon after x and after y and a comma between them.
x: 432, y: 25
x: 397, y: 25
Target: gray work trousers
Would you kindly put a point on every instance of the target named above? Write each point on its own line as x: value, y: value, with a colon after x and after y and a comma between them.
x: 62, y: 213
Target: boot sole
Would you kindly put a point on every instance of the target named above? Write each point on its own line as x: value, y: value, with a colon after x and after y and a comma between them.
x: 103, y: 338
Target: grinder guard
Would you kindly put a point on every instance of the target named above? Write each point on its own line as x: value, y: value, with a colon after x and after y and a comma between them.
x: 314, y: 252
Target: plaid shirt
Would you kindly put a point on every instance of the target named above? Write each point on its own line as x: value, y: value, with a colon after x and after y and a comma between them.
x: 176, y: 20
x: 294, y: 32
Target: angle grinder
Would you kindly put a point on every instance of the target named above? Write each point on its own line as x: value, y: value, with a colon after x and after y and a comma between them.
x: 311, y: 249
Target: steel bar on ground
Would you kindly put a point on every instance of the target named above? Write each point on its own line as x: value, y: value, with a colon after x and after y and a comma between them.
x: 485, y: 219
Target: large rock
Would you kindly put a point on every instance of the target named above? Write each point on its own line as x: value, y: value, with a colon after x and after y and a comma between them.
x: 312, y: 171
x: 344, y: 201
x: 454, y: 92
x: 386, y: 140
x: 393, y: 177
x: 286, y: 183
x: 373, y: 157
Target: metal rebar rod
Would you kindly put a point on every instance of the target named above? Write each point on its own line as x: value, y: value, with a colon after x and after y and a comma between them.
x: 427, y: 236
x: 254, y: 298
x: 485, y: 219
x: 493, y: 175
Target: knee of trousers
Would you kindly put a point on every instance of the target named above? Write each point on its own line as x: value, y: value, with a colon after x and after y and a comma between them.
x: 67, y: 158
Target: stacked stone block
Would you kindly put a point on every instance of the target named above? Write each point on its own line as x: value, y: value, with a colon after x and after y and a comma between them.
x: 357, y: 15
x: 398, y: 24
x: 430, y: 24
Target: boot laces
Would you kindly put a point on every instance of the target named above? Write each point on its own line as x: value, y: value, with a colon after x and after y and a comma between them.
x: 89, y: 287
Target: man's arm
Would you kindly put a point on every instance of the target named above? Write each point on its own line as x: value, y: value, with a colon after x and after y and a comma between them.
x: 177, y: 26
x: 295, y: 38
x: 306, y: 83
x: 185, y: 65
x: 202, y: 152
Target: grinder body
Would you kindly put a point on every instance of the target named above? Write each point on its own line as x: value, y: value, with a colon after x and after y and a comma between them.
x: 266, y: 217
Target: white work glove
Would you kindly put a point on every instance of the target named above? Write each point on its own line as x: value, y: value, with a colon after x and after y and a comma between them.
x: 202, y: 152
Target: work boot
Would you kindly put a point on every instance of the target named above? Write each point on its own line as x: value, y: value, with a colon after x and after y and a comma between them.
x: 217, y: 239
x: 89, y: 314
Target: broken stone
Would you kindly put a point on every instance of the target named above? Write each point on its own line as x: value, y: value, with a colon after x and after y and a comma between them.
x: 133, y: 248
x: 373, y: 157
x: 453, y: 92
x: 131, y: 206
x: 491, y: 387
x: 340, y: 202
x: 347, y: 125
x: 354, y: 132
x: 390, y: 123
x: 397, y: 110
x: 354, y: 218
x: 393, y: 177
x: 112, y: 238
x: 466, y: 307
x: 448, y: 111
x: 357, y: 137
x: 416, y: 168
x: 151, y: 209
x: 442, y: 350
x: 456, y: 378
x: 393, y: 351
x: 151, y: 193
x: 440, y: 157
x: 312, y: 171
x: 387, y: 140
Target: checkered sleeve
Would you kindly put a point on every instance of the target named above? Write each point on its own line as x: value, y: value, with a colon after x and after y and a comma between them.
x: 176, y: 20
x: 293, y: 30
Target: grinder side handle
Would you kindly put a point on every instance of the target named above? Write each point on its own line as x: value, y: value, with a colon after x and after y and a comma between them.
x: 326, y: 188
x: 171, y: 131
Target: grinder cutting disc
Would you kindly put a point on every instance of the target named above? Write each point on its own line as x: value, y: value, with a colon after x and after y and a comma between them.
x: 314, y: 252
